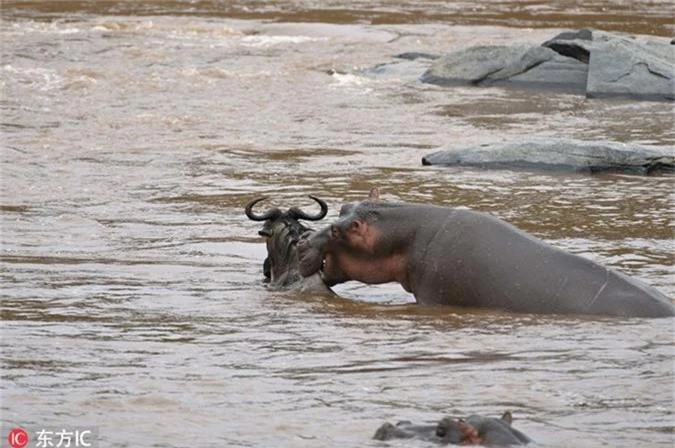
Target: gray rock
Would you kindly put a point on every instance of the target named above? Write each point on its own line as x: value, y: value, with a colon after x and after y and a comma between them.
x: 562, y: 154
x: 524, y: 65
x: 632, y: 68
x: 413, y: 55
x: 598, y: 63
x: 572, y: 43
x: 405, y: 69
x: 637, y: 67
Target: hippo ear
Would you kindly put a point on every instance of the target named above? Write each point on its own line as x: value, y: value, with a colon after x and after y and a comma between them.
x: 507, y: 417
x: 374, y: 194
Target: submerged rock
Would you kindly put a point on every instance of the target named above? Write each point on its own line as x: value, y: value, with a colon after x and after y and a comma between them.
x: 414, y: 55
x: 562, y: 154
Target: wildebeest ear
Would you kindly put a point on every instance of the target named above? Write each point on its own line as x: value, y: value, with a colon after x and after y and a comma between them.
x: 374, y: 194
x: 507, y: 417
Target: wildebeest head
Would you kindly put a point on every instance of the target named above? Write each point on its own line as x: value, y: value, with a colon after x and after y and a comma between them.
x: 282, y: 231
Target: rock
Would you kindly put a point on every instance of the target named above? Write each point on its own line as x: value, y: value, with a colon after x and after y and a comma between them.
x: 562, y: 154
x: 598, y: 63
x: 407, y: 69
x: 413, y: 55
x: 524, y: 65
x: 624, y: 67
x: 642, y: 68
x: 571, y: 43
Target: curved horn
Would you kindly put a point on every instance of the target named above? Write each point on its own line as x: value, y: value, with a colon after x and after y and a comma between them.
x: 270, y: 214
x: 299, y: 214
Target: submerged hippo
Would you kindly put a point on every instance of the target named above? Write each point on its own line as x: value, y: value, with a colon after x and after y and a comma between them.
x: 473, y: 430
x: 282, y: 230
x: 450, y: 256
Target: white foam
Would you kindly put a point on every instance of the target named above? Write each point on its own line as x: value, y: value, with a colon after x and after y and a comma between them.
x: 268, y: 41
x: 43, y: 78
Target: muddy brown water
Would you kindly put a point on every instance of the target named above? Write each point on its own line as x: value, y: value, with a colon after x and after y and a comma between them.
x: 132, y: 301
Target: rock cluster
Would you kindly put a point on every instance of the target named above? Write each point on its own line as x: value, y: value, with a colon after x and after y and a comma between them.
x: 596, y: 63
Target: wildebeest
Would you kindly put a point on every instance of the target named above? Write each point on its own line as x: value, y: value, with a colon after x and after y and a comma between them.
x: 282, y: 231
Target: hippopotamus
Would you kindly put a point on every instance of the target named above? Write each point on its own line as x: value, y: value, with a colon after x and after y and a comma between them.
x: 473, y: 430
x: 282, y: 231
x: 460, y: 257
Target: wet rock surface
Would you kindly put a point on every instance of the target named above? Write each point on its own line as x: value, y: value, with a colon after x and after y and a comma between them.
x: 598, y: 63
x: 522, y: 65
x: 563, y: 155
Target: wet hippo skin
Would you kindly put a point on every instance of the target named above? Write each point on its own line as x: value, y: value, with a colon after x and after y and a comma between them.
x: 459, y: 257
x: 473, y: 430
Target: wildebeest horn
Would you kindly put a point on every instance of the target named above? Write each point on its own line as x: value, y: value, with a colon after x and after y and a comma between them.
x: 270, y: 214
x: 299, y: 214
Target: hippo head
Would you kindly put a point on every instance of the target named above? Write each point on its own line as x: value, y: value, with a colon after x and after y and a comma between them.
x: 457, y: 432
x: 480, y: 430
x: 321, y: 252
x: 282, y: 231
x: 334, y: 250
x: 474, y: 430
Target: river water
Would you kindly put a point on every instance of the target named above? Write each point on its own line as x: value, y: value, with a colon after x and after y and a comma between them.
x: 132, y: 295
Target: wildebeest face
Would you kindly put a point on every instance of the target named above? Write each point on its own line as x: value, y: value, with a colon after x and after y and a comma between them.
x: 282, y: 236
x: 282, y: 231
